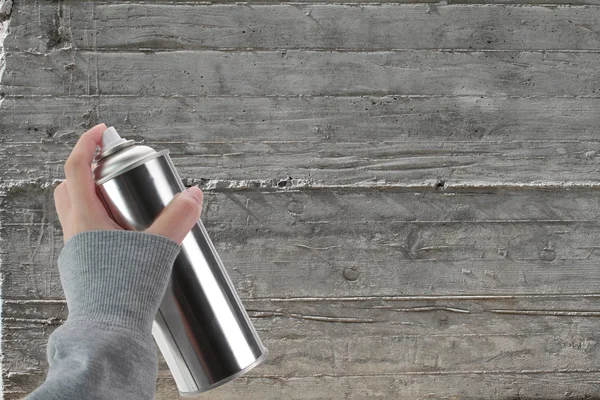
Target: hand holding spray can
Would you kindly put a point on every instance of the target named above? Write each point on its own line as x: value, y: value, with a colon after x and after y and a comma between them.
x: 201, y: 328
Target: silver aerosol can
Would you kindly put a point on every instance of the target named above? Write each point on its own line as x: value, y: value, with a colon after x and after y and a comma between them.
x: 201, y: 328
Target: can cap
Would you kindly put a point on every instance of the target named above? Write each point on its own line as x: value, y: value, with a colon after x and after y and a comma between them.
x: 111, y: 138
x: 119, y: 155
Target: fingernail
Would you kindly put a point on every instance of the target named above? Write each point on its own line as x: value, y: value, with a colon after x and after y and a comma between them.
x: 195, y: 192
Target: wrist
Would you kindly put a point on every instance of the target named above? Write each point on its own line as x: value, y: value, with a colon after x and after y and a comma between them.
x: 116, y: 277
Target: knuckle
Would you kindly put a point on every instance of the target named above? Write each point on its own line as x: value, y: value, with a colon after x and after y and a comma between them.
x: 73, y: 162
x: 188, y: 206
x: 68, y: 167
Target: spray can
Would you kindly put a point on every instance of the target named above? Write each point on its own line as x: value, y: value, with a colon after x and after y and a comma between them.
x: 201, y: 328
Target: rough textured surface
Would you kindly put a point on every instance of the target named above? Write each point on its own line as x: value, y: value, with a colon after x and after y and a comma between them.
x: 405, y: 195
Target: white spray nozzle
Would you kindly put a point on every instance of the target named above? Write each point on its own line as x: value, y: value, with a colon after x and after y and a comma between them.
x: 111, y: 138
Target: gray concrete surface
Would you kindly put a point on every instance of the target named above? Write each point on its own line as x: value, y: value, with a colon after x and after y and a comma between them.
x: 405, y: 194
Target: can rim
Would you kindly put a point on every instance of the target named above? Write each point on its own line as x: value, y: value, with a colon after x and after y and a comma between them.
x: 113, y: 149
x: 132, y: 165
x: 228, y: 379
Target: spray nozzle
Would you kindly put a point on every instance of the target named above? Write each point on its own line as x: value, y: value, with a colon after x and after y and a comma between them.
x: 111, y: 138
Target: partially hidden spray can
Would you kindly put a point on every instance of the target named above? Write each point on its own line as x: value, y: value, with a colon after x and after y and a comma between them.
x: 201, y: 328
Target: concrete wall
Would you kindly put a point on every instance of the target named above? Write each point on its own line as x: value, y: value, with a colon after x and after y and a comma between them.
x: 404, y: 194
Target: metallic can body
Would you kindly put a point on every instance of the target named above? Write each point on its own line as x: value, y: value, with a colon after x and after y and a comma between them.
x: 201, y: 328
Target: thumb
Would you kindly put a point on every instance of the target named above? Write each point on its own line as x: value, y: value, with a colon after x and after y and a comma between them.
x: 179, y: 216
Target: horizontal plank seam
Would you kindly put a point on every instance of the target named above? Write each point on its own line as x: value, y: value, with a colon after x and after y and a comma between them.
x: 292, y: 96
x: 253, y: 50
x: 358, y: 3
x: 328, y: 318
x: 225, y: 185
x: 542, y: 335
x: 310, y: 49
x: 256, y: 314
x: 351, y: 4
x: 17, y: 300
x: 340, y: 142
x: 466, y: 372
x: 432, y: 222
x: 393, y: 374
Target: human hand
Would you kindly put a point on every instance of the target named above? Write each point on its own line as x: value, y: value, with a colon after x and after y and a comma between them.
x: 79, y: 209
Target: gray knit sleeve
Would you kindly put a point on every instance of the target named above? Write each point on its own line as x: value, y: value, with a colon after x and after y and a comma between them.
x: 113, y: 282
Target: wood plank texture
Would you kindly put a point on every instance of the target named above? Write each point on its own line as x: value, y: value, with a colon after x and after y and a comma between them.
x: 378, y: 338
x: 404, y: 193
x: 295, y: 72
x: 473, y: 386
x: 358, y: 243
x: 550, y: 3
x: 331, y: 140
x: 440, y: 387
x: 189, y: 26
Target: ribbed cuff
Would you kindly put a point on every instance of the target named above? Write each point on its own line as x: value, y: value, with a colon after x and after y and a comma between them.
x: 116, y: 277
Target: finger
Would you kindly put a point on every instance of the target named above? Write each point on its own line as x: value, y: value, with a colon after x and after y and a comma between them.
x: 62, y: 202
x: 180, y: 216
x: 78, y: 167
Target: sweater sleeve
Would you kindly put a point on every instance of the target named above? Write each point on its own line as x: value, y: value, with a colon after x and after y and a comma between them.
x: 114, y: 282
